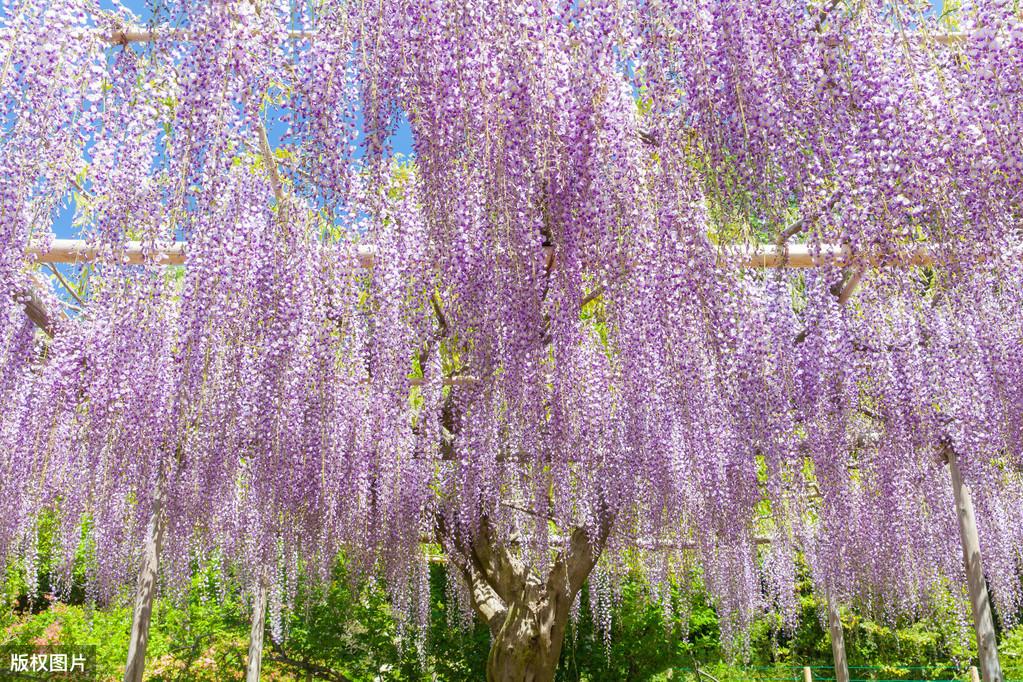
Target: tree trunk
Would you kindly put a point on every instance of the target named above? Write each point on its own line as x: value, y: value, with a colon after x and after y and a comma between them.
x: 527, y: 613
x: 528, y: 645
x: 146, y: 592
x: 255, y: 660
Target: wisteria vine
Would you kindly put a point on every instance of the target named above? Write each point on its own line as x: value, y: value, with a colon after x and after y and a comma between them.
x: 552, y: 329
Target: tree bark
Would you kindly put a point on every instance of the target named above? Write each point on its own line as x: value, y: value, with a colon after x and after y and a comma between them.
x: 528, y: 645
x: 527, y: 613
x: 146, y: 592
x: 36, y: 311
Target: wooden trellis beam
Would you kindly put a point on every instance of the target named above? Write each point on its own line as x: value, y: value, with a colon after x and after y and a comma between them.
x: 138, y: 34
x: 766, y: 256
x: 76, y: 251
x: 149, y: 35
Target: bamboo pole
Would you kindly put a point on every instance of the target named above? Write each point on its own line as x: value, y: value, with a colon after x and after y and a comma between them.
x: 146, y: 592
x: 980, y: 603
x: 77, y: 251
x: 807, y: 674
x: 255, y: 660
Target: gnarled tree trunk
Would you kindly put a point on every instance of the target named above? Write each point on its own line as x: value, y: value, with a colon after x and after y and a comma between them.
x: 528, y: 644
x: 527, y: 613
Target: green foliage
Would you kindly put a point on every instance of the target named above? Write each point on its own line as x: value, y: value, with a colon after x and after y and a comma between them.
x: 454, y: 651
x: 644, y: 646
x: 199, y: 638
x: 642, y: 642
x: 347, y: 631
x: 347, y: 628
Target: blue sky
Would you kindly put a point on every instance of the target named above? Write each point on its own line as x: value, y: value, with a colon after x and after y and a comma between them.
x: 401, y: 140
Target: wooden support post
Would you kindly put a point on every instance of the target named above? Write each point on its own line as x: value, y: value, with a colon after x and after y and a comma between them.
x: 983, y: 622
x: 837, y: 642
x: 974, y: 675
x: 807, y: 674
x: 146, y: 593
x: 255, y: 661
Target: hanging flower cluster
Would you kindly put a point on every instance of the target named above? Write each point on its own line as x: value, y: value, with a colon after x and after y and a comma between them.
x: 552, y: 333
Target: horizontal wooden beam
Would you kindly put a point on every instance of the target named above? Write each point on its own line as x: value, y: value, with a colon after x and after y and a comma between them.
x: 955, y: 38
x: 135, y: 253
x: 142, y: 34
x: 147, y: 35
x: 804, y: 256
x: 79, y: 251
x: 766, y: 256
x: 463, y: 380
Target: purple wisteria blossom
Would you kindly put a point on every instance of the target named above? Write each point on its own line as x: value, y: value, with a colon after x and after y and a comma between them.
x: 556, y: 345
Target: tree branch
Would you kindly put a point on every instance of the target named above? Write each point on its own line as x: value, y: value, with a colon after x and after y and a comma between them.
x: 525, y: 510
x: 823, y: 13
x: 486, y: 601
x: 36, y: 310
x: 64, y: 283
x: 797, y: 226
x: 577, y: 561
x: 277, y: 655
x: 849, y: 286
x: 271, y: 164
